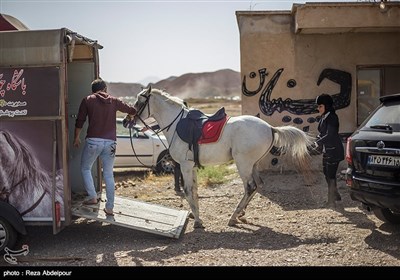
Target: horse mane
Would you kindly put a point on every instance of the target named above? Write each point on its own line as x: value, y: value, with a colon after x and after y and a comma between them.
x: 27, y: 174
x: 169, y: 98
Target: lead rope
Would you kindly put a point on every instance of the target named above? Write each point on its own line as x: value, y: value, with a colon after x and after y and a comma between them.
x: 155, y: 132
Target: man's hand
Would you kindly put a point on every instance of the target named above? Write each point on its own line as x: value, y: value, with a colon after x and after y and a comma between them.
x: 314, y: 149
x: 77, y: 142
x: 128, y: 121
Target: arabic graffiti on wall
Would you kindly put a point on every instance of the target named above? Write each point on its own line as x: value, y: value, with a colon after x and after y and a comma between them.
x: 300, y: 107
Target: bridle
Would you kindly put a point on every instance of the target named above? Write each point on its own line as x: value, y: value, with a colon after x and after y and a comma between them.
x: 146, y: 103
x: 5, y: 195
x: 141, y: 109
x: 159, y: 130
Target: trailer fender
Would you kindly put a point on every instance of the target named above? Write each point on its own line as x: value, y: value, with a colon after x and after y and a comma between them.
x: 12, y: 215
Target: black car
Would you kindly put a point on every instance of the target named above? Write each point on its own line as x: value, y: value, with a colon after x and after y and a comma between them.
x: 373, y: 157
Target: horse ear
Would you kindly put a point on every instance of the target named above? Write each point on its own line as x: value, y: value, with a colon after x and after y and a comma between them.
x: 148, y: 90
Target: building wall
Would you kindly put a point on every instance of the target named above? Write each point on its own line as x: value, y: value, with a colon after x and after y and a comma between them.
x: 284, y: 68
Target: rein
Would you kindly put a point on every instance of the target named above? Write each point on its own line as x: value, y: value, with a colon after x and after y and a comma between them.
x: 140, y: 111
x: 169, y: 126
x: 5, y: 194
x: 146, y: 103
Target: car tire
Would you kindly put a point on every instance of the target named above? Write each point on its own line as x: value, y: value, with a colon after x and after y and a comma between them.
x: 8, y: 235
x: 165, y: 163
x: 386, y: 215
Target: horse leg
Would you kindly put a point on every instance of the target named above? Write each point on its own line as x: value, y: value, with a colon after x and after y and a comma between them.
x: 249, y: 190
x: 242, y: 213
x: 251, y: 180
x: 178, y: 179
x: 191, y: 195
x: 258, y: 182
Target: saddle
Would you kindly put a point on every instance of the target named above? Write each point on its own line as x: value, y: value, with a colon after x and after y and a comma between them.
x: 190, y: 128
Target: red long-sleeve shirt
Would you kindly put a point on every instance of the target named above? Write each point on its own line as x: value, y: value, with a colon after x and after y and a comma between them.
x: 101, y: 109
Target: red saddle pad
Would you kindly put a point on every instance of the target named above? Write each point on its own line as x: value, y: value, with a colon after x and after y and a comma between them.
x: 212, y: 131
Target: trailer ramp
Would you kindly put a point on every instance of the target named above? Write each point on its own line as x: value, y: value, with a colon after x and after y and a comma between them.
x: 136, y: 215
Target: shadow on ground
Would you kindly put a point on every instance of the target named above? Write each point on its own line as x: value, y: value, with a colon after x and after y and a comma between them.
x: 97, y: 244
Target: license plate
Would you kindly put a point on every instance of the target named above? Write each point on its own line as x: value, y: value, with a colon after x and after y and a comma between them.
x: 383, y: 160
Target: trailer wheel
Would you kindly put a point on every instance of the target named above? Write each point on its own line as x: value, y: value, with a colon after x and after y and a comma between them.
x: 8, y: 235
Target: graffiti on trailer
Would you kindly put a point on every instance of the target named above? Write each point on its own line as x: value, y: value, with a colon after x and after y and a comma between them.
x: 16, y: 81
x: 300, y: 106
x: 9, y: 255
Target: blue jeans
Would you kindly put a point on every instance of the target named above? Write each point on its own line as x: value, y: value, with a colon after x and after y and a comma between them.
x: 105, y: 149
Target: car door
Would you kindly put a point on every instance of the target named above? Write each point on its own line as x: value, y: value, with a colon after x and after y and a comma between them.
x: 135, y: 153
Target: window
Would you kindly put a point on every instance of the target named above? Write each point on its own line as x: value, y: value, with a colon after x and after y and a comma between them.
x: 372, y: 83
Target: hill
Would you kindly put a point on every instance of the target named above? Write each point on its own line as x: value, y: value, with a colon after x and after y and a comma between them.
x: 222, y: 83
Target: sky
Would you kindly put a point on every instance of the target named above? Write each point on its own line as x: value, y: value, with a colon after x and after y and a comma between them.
x: 147, y: 41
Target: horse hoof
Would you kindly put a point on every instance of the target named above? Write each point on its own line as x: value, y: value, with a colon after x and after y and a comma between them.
x: 336, y: 206
x: 232, y: 223
x: 198, y: 225
x: 241, y: 214
x: 179, y: 193
x: 243, y: 220
x: 330, y: 205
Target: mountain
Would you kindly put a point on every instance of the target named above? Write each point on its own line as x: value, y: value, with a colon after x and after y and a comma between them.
x: 123, y: 89
x: 221, y: 83
x: 150, y: 79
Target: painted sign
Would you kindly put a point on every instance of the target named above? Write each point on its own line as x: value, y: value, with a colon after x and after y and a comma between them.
x: 32, y: 91
x: 27, y: 155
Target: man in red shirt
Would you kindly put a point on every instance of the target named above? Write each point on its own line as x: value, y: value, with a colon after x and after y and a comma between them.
x: 101, y: 110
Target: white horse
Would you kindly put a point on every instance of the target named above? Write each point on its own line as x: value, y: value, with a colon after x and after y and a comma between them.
x: 244, y: 139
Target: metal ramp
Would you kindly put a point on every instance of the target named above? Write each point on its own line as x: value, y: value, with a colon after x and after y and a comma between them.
x: 137, y: 215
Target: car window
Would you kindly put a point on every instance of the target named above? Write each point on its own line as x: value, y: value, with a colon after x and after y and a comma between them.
x: 386, y: 115
x: 123, y: 131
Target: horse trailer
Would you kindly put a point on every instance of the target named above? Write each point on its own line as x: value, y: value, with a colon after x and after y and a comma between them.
x: 44, y: 74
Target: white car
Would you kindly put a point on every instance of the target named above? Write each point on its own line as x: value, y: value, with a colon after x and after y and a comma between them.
x: 147, y: 149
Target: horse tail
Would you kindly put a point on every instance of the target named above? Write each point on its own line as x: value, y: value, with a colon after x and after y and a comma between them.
x: 294, y: 142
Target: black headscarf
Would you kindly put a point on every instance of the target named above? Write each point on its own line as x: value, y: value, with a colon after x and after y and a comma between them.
x: 327, y: 100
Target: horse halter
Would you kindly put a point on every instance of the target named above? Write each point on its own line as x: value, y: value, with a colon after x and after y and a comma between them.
x: 5, y: 195
x: 142, y: 107
x: 146, y: 103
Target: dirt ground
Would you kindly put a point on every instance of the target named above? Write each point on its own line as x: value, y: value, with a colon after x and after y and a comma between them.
x: 288, y: 226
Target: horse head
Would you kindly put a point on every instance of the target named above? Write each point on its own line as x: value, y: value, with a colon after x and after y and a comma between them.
x: 160, y: 105
x: 142, y: 103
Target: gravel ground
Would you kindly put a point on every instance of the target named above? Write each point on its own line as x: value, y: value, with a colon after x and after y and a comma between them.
x: 287, y: 226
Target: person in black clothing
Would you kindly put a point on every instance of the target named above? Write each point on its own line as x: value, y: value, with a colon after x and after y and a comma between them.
x: 330, y: 143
